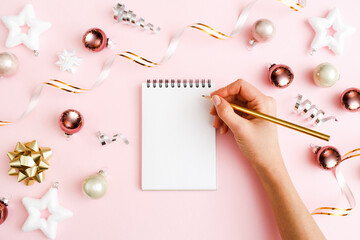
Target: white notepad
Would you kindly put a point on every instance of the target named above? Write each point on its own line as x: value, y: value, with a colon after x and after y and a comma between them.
x: 178, y: 140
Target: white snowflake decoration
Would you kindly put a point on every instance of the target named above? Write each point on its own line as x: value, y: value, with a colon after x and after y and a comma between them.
x: 68, y: 61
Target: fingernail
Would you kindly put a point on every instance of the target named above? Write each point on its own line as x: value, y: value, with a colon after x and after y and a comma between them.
x: 216, y: 100
x: 222, y: 130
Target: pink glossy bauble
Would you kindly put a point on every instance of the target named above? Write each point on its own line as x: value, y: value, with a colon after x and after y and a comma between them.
x: 95, y: 39
x: 328, y: 157
x: 350, y: 99
x: 280, y: 75
x: 3, y: 210
x: 71, y: 121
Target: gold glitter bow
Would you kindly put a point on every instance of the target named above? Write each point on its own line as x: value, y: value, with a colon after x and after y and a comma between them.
x: 29, y: 161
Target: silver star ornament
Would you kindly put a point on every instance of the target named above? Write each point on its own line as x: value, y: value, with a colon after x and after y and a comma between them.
x: 68, y: 61
x: 48, y: 201
x: 322, y: 39
x: 36, y: 27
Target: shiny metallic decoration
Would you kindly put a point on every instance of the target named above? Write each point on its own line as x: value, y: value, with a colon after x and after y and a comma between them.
x: 29, y: 162
x: 350, y: 99
x: 9, y: 64
x: 95, y: 40
x: 121, y: 15
x: 295, y: 5
x: 34, y: 99
x: 262, y: 31
x: 280, y: 75
x: 71, y: 121
x: 104, y: 139
x: 4, y: 202
x: 95, y: 186
x: 325, y: 75
x: 316, y: 115
x: 278, y: 121
x: 329, y: 158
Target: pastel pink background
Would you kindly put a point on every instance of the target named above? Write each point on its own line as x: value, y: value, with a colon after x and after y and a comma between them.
x: 239, y: 208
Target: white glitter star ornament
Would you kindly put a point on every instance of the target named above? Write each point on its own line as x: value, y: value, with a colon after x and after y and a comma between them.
x: 68, y: 61
x: 322, y: 39
x: 36, y: 27
x: 48, y: 201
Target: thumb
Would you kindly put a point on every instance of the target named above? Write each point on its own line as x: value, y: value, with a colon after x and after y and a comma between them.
x: 226, y: 113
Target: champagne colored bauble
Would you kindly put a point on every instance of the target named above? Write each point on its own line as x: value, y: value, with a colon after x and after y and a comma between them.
x: 95, y: 186
x: 9, y: 64
x: 262, y: 31
x: 325, y: 75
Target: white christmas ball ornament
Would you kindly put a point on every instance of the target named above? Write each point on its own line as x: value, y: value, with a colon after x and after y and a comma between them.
x: 95, y: 186
x: 326, y: 75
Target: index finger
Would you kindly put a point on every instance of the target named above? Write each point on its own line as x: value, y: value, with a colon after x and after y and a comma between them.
x: 241, y: 88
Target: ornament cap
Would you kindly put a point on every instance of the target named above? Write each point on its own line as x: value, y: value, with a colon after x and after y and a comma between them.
x: 315, y: 148
x: 56, y: 185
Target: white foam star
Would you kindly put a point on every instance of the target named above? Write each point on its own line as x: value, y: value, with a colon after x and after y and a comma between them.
x: 48, y: 201
x: 36, y: 27
x: 68, y: 61
x: 322, y: 39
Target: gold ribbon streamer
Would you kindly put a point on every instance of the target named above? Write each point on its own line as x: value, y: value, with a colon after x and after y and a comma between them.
x: 35, y: 97
x: 344, y: 188
x: 29, y: 162
x: 176, y: 39
x: 293, y: 4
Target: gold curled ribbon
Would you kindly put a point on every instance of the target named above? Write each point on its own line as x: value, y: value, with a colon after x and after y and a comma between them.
x: 333, y: 211
x: 293, y: 4
x: 29, y: 162
x: 35, y: 97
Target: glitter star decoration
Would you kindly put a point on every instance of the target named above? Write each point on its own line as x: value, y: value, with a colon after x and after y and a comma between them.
x: 68, y: 61
x: 50, y: 202
x: 322, y: 39
x: 36, y: 27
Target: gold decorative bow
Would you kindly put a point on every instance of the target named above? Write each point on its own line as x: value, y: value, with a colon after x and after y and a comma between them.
x: 28, y: 162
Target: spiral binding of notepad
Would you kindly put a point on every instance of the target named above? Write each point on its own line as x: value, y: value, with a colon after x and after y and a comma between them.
x: 178, y: 83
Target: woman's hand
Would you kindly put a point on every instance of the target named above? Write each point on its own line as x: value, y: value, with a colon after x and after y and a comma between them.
x: 256, y: 138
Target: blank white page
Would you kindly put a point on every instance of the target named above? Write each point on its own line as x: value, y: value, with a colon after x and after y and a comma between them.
x: 178, y: 140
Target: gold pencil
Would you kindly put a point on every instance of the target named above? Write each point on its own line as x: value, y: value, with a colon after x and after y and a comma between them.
x: 278, y: 121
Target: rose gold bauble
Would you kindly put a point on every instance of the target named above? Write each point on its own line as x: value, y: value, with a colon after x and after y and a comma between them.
x: 350, y: 99
x: 95, y: 39
x: 3, y: 210
x: 280, y: 75
x: 328, y: 157
x: 71, y: 121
